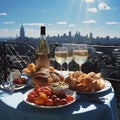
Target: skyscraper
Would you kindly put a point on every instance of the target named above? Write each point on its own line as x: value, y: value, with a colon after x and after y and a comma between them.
x: 22, y: 32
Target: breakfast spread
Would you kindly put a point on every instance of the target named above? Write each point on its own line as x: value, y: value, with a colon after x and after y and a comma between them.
x: 47, y: 79
x: 50, y: 87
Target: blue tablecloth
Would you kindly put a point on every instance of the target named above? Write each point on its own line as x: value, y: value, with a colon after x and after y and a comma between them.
x: 12, y: 107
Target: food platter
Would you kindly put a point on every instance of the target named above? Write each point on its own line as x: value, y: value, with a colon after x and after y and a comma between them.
x: 68, y: 92
x: 107, y: 87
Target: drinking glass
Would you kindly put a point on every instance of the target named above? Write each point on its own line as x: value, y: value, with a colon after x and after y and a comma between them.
x: 8, y: 85
x: 80, y: 54
x: 69, y: 59
x: 61, y: 54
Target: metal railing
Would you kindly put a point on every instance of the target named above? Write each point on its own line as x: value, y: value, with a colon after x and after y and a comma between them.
x: 16, y: 55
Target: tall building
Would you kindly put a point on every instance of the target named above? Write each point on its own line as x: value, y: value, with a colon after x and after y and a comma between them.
x: 22, y: 33
x: 91, y: 35
x: 22, y: 36
x: 70, y: 33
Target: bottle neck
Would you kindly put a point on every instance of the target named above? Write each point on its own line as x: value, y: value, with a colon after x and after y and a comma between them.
x: 43, y: 37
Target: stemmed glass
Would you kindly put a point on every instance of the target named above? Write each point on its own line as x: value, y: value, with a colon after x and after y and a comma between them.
x: 8, y: 85
x: 61, y: 54
x: 80, y: 54
x: 70, y: 53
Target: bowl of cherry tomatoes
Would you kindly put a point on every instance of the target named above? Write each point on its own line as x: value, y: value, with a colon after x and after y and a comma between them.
x: 45, y: 98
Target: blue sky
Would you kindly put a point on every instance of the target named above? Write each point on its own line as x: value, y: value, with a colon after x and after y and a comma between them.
x: 101, y: 17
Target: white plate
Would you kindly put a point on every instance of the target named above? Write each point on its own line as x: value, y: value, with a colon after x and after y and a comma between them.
x: 20, y: 87
x: 16, y: 88
x: 68, y: 92
x: 108, y: 86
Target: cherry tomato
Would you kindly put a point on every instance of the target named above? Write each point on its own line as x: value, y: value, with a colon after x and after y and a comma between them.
x: 45, y: 88
x: 36, y: 87
x: 63, y: 101
x: 33, y: 93
x: 47, y: 92
x: 19, y: 80
x: 49, y: 102
x: 69, y: 98
x: 57, y: 101
x: 53, y: 97
x: 31, y: 97
x: 37, y: 90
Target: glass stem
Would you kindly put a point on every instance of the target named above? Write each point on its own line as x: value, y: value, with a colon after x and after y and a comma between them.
x: 67, y: 67
x: 80, y: 68
x: 61, y: 68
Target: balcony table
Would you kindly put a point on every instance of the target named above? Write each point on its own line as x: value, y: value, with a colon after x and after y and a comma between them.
x: 12, y: 107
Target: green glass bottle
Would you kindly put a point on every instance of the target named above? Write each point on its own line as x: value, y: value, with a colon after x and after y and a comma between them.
x: 42, y: 51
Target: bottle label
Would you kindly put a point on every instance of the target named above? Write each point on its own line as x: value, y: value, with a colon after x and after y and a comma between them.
x: 42, y: 61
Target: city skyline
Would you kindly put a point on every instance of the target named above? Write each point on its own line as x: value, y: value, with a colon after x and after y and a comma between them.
x: 101, y: 17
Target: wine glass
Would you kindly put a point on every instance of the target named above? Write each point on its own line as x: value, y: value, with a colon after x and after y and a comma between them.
x: 70, y: 53
x: 8, y: 85
x: 61, y: 54
x: 80, y: 54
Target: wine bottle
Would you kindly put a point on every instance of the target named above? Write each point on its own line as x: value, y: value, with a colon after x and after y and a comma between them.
x: 42, y: 51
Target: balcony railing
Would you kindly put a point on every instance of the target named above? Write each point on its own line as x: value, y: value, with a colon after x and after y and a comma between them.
x: 16, y: 55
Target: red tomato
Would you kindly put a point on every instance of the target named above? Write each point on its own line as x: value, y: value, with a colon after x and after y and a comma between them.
x: 53, y: 97
x: 36, y: 87
x: 57, y: 101
x: 63, y: 101
x: 47, y: 92
x: 49, y: 102
x: 31, y: 97
x: 37, y: 90
x: 33, y: 93
x: 47, y: 88
x: 69, y: 98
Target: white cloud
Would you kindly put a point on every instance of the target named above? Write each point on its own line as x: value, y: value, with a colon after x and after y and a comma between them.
x: 90, y: 1
x: 33, y: 24
x: 89, y: 21
x: 10, y: 22
x: 3, y: 14
x: 112, y: 23
x: 103, y: 6
x: 93, y: 10
x: 62, y: 23
x: 71, y: 25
